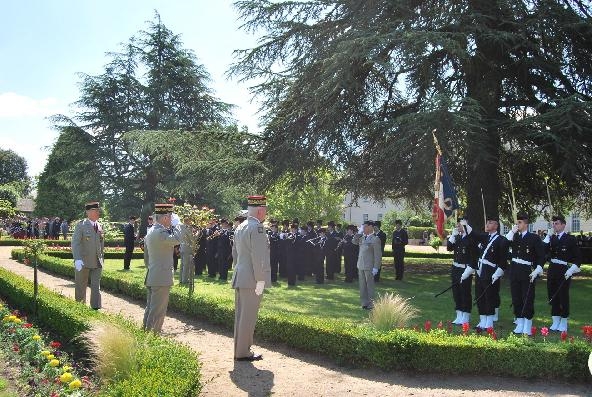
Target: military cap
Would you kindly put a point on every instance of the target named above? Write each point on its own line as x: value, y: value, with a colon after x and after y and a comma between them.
x: 256, y: 201
x: 522, y: 216
x: 378, y: 223
x: 369, y: 223
x: 91, y: 205
x: 162, y: 209
x: 331, y: 223
x: 559, y: 218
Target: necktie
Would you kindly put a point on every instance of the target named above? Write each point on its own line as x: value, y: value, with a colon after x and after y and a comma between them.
x: 96, y: 228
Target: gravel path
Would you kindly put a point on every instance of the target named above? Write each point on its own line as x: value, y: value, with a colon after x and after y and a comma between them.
x: 287, y: 372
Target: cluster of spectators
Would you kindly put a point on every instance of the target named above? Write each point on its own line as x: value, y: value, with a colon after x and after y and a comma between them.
x: 50, y: 228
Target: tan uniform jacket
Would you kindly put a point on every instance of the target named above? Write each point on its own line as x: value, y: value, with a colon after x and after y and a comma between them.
x: 159, y: 245
x: 250, y: 253
x: 370, y: 255
x: 88, y: 245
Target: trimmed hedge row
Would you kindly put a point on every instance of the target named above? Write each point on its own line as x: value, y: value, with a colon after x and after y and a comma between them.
x: 363, y: 346
x: 118, y: 242
x: 165, y: 368
x: 106, y: 255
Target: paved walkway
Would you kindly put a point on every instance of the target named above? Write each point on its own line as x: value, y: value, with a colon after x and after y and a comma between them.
x: 287, y: 372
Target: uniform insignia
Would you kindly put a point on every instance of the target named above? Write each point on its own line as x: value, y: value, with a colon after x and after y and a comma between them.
x: 260, y: 229
x: 527, y: 251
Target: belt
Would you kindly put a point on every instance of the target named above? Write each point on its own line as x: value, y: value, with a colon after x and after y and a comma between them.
x: 559, y: 262
x: 461, y: 265
x: 487, y: 262
x: 522, y: 261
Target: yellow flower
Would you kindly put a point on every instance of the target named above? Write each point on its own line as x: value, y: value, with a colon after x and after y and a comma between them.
x: 66, y: 368
x: 12, y: 317
x: 36, y: 337
x: 45, y: 352
x: 75, y: 384
x: 17, y: 320
x: 54, y: 363
x: 66, y: 377
x: 50, y: 356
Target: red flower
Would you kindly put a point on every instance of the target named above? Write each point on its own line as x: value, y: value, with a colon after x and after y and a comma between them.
x: 493, y: 335
x: 427, y: 326
x: 465, y: 327
x: 440, y: 325
x: 533, y: 331
x: 563, y: 335
x: 55, y: 345
x: 544, y: 331
x: 490, y: 330
x: 15, y: 348
x: 26, y: 261
x: 27, y: 325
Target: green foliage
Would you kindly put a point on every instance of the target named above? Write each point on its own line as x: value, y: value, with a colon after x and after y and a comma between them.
x: 436, y: 243
x: 34, y: 248
x: 176, y: 365
x: 392, y: 311
x: 318, y: 198
x: 9, y: 194
x: 7, y: 209
x: 304, y: 323
x: 13, y: 168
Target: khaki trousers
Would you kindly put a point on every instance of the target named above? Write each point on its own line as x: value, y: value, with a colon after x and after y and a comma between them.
x: 81, y: 282
x: 246, y: 306
x: 157, y: 300
x: 366, y: 280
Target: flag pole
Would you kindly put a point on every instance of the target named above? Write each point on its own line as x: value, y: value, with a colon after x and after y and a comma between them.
x: 484, y: 214
x: 514, y: 210
x: 549, y: 198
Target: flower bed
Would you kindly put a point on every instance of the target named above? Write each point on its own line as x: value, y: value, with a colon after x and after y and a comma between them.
x: 164, y: 368
x: 432, y: 350
x: 44, y: 368
x: 60, y: 243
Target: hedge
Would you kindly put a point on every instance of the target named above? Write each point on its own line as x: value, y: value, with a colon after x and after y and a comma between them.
x: 363, y: 346
x: 165, y: 368
x: 106, y: 254
x: 118, y: 242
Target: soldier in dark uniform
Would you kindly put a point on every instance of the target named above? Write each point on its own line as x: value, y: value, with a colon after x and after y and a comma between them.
x: 340, y: 234
x: 528, y: 259
x: 311, y: 234
x: 129, y: 238
x: 282, y: 248
x: 211, y: 247
x: 224, y: 249
x: 319, y: 250
x: 293, y: 244
x: 382, y: 236
x: 564, y: 261
x: 199, y: 259
x: 275, y: 248
x: 464, y: 256
x: 400, y: 240
x: 350, y: 253
x: 493, y: 252
x: 333, y: 264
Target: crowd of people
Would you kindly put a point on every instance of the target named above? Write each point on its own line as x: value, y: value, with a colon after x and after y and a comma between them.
x: 50, y: 228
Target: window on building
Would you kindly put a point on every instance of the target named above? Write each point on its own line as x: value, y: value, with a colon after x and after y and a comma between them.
x: 364, y: 217
x: 505, y: 229
x: 379, y: 217
x: 575, y: 222
x: 530, y: 227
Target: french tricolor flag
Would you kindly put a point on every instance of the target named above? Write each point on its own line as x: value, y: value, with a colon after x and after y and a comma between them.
x: 445, y: 199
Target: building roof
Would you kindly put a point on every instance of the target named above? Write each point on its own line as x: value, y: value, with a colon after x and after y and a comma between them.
x: 25, y: 205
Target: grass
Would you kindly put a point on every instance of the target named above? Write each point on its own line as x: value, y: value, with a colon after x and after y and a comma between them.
x: 392, y: 311
x: 337, y: 300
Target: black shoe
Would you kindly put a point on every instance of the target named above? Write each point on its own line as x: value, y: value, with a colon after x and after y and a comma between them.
x: 253, y: 357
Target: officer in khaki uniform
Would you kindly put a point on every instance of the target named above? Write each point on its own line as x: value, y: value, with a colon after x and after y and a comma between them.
x: 187, y: 243
x: 158, y: 249
x: 252, y: 273
x: 87, y: 249
x: 369, y: 261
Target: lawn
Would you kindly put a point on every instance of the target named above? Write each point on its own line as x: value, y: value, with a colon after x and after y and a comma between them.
x: 338, y: 300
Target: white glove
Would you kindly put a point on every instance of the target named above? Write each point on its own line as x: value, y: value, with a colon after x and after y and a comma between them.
x: 452, y: 238
x: 547, y: 238
x: 374, y: 271
x: 455, y: 231
x: 463, y: 222
x: 514, y: 228
x: 535, y: 273
x: 467, y: 273
x: 175, y: 220
x: 78, y: 264
x: 259, y: 287
x: 361, y: 229
x: 496, y: 275
x: 571, y: 271
x: 512, y: 232
x: 282, y: 236
x: 468, y: 228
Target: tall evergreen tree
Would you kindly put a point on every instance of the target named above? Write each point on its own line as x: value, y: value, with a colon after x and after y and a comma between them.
x: 362, y: 84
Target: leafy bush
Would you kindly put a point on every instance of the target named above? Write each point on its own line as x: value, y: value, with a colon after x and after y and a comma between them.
x: 165, y: 368
x: 435, y: 351
x: 118, y: 242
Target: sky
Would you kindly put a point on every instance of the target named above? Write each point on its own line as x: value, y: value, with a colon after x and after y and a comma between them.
x: 45, y: 45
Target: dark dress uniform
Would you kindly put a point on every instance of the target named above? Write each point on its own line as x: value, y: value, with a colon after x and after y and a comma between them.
x: 350, y: 257
x: 493, y: 254
x: 211, y: 247
x: 128, y: 240
x: 294, y: 254
x: 319, y: 250
x: 527, y: 253
x: 382, y: 236
x: 400, y: 240
x: 330, y: 248
x: 275, y: 253
x: 465, y: 256
x: 563, y: 252
x: 199, y: 260
x: 308, y: 265
x: 224, y: 253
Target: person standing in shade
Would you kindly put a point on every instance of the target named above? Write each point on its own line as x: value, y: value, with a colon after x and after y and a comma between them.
x: 565, y: 260
x: 275, y: 246
x: 252, y: 273
x: 400, y: 240
x: 465, y: 255
x: 129, y: 238
x: 88, y: 246
x: 350, y: 253
x: 224, y: 249
x: 186, y: 250
x: 159, y: 246
x: 65, y: 229
x: 382, y: 236
x: 369, y: 260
